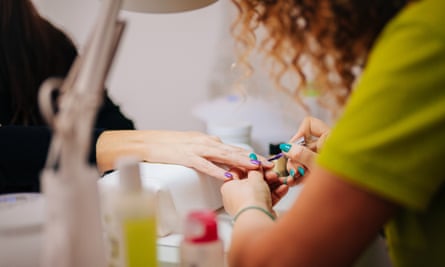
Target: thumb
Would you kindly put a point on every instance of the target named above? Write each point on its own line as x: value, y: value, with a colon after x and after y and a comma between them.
x: 302, y: 155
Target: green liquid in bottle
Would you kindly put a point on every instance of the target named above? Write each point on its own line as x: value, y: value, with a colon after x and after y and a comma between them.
x: 140, y: 242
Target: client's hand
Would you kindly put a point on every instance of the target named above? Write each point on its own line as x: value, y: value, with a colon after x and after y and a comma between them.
x: 251, y: 191
x: 197, y: 150
x: 301, y: 157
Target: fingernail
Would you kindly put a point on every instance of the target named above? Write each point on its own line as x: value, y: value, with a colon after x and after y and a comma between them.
x: 253, y: 156
x: 228, y: 175
x: 292, y: 172
x: 300, y: 141
x: 285, y: 180
x: 301, y: 170
x: 285, y: 147
x: 256, y: 162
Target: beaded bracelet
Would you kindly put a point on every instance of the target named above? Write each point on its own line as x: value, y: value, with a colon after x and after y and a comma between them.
x: 270, y: 215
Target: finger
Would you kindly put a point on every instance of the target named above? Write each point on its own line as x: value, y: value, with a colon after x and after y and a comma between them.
x: 217, y: 171
x: 233, y: 156
x: 236, y: 173
x: 302, y: 155
x: 296, y: 175
x: 272, y: 179
x: 321, y: 141
x: 255, y: 175
x: 270, y: 175
x: 310, y: 126
x: 279, y: 193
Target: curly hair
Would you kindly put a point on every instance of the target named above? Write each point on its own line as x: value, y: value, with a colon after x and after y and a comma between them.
x: 330, y: 37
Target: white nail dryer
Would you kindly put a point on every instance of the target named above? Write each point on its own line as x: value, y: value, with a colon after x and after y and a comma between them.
x: 177, y: 190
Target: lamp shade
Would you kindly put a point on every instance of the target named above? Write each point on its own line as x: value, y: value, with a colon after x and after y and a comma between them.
x: 164, y: 6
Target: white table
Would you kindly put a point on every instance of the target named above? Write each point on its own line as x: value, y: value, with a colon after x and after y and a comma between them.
x: 168, y: 247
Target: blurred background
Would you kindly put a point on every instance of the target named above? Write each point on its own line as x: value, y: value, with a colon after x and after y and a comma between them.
x: 174, y: 71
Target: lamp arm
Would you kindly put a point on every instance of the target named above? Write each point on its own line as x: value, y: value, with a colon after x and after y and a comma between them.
x: 73, y: 233
x: 82, y: 90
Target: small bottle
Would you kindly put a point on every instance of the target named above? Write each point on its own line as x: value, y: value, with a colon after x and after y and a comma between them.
x: 280, y: 164
x: 201, y: 246
x: 131, y: 221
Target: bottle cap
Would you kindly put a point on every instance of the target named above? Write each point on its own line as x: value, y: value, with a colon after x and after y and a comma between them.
x: 201, y: 227
x: 274, y: 149
x: 129, y: 174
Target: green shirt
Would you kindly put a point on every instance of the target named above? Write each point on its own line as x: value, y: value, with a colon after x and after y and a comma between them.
x: 391, y: 137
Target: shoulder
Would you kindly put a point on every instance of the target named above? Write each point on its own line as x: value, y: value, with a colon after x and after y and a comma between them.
x: 428, y: 14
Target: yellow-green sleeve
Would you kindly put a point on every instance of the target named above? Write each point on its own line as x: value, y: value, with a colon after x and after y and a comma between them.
x: 391, y: 137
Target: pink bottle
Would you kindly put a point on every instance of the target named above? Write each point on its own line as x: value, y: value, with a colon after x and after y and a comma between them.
x: 201, y: 246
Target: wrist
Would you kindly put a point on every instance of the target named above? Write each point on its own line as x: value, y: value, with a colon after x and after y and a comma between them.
x: 258, y: 208
x: 114, y: 144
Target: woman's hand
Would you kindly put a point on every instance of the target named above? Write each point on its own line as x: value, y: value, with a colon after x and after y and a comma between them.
x: 301, y: 157
x: 197, y: 150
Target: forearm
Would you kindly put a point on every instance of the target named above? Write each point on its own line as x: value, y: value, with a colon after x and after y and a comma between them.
x: 114, y: 144
x: 246, y: 231
x: 326, y: 226
x: 191, y: 149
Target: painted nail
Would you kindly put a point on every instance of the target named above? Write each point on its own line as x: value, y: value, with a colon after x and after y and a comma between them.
x: 292, y: 173
x: 228, y: 175
x: 301, y: 170
x: 285, y: 147
x: 285, y: 180
x: 256, y: 162
x: 300, y: 141
x: 253, y: 156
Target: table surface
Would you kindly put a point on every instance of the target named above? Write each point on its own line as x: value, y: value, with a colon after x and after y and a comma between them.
x: 168, y: 246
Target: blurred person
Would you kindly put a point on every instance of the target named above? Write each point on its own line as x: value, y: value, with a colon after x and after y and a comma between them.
x: 380, y: 66
x: 33, y: 50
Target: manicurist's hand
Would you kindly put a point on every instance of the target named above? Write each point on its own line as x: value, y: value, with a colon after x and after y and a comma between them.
x: 301, y: 156
x: 197, y: 150
x: 252, y: 191
x: 315, y: 132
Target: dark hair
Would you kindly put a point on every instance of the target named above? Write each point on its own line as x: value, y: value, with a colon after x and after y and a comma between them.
x: 31, y: 50
x: 333, y: 36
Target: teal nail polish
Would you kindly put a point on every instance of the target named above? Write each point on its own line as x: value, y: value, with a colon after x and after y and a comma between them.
x: 285, y: 180
x: 292, y: 172
x: 253, y: 156
x: 285, y: 147
x: 301, y: 170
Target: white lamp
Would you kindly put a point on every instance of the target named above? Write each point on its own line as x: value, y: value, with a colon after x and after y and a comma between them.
x: 73, y: 232
x: 164, y: 6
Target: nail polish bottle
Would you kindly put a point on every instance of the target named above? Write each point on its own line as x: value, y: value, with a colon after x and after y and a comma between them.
x: 130, y: 219
x: 201, y: 246
x: 280, y: 164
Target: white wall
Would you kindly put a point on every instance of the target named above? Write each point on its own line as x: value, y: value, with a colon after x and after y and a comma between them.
x: 164, y: 63
x: 170, y: 63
